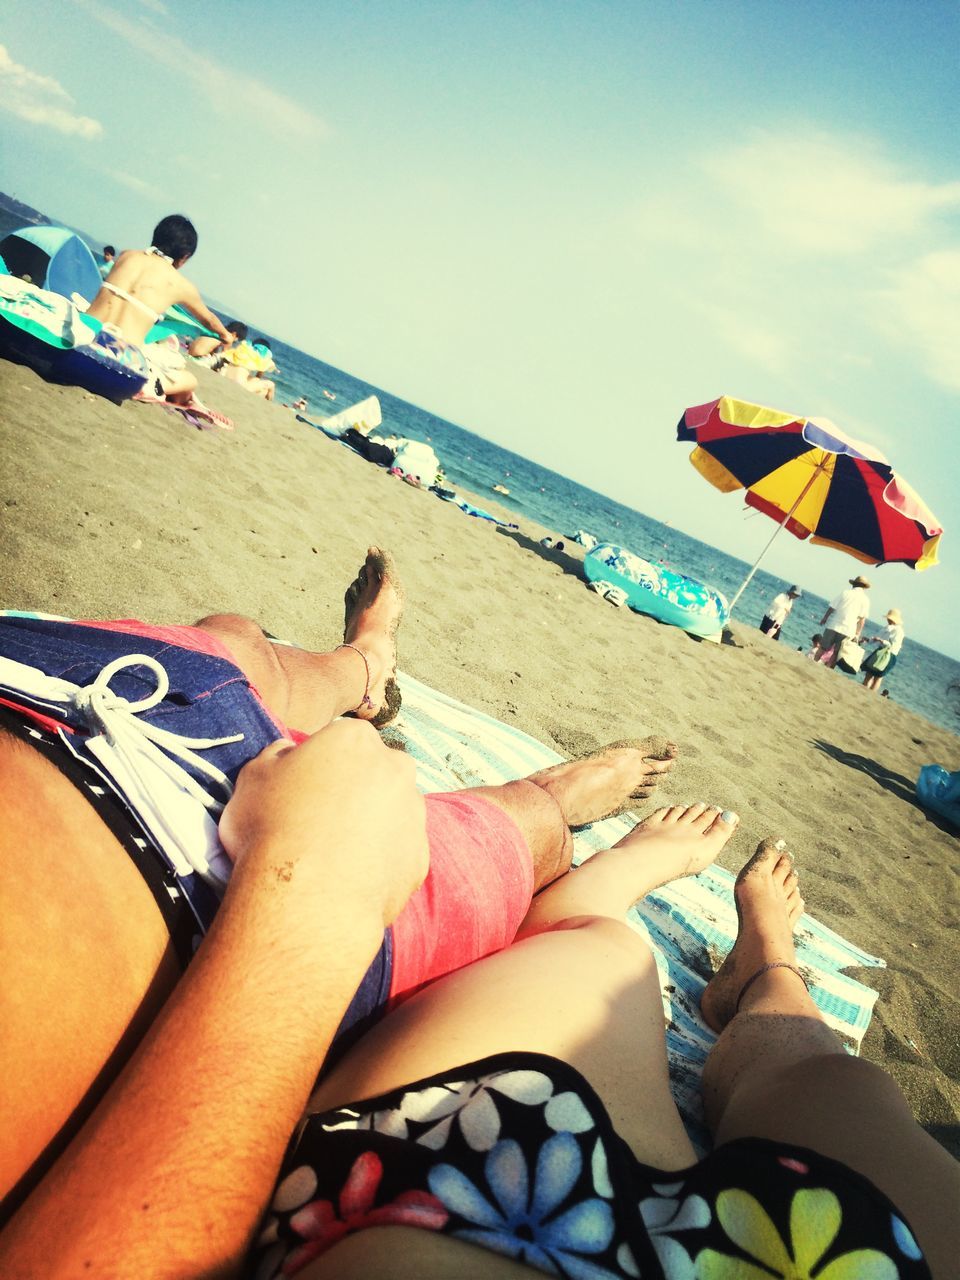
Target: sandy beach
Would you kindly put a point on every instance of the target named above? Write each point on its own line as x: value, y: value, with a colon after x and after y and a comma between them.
x: 130, y: 512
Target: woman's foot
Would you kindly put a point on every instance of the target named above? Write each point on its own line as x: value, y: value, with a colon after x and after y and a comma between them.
x: 676, y: 842
x: 607, y: 781
x: 769, y: 905
x: 669, y: 844
x: 373, y: 604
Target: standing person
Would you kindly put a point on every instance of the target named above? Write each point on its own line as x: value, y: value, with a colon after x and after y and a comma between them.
x: 109, y: 255
x: 777, y: 610
x: 847, y: 614
x: 882, y: 661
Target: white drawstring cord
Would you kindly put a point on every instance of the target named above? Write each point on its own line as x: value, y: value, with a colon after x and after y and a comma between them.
x: 117, y: 718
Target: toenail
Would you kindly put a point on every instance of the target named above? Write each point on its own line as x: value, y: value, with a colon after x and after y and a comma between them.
x: 781, y: 844
x: 729, y: 816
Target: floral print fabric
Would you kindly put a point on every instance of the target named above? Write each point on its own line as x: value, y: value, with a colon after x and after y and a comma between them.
x: 517, y: 1155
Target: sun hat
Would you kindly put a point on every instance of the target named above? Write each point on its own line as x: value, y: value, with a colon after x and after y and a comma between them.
x: 794, y: 591
x: 859, y: 582
x: 894, y: 616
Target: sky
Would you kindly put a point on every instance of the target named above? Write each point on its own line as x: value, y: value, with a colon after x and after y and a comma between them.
x: 555, y: 224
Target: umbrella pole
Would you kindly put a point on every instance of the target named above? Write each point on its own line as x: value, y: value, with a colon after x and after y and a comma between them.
x: 803, y: 493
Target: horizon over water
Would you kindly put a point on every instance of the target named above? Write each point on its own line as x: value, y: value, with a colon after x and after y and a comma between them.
x: 922, y: 676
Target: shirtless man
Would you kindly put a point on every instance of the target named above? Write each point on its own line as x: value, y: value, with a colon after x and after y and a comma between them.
x: 142, y: 286
x: 202, y: 347
x: 89, y: 946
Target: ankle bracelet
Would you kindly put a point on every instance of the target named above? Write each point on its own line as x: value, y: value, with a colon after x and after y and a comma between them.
x: 365, y: 700
x: 765, y: 968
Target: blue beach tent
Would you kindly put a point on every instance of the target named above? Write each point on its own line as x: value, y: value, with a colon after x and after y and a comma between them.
x: 52, y: 258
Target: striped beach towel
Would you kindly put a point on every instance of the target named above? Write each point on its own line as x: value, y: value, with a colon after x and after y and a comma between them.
x: 690, y: 924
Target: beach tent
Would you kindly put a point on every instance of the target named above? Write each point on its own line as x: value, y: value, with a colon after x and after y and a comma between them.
x: 52, y: 258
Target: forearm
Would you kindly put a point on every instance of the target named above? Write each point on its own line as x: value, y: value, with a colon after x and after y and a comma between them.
x: 169, y: 1176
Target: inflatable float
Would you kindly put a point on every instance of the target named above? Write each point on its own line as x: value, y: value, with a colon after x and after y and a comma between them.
x: 658, y: 591
x: 49, y: 333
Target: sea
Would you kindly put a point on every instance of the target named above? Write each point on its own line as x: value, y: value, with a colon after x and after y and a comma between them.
x: 925, y: 681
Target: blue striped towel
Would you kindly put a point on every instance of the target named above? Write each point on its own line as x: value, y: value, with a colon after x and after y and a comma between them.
x: 690, y: 925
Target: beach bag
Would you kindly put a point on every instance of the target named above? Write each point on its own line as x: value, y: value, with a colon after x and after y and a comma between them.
x: 849, y: 655
x: 878, y: 661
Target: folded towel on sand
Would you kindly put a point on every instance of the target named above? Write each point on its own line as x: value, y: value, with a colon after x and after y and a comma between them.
x: 690, y: 925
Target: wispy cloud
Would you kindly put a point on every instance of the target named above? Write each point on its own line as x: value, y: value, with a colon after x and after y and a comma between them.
x: 808, y: 254
x: 42, y: 100
x: 227, y: 90
x: 133, y: 183
x: 922, y: 309
x: 811, y: 191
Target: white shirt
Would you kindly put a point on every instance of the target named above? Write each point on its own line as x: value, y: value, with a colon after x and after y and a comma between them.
x: 848, y: 608
x: 780, y: 606
x: 892, y: 635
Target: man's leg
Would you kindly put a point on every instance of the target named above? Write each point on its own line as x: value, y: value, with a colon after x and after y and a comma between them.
x: 548, y: 803
x: 492, y: 848
x: 779, y: 1072
x: 307, y: 690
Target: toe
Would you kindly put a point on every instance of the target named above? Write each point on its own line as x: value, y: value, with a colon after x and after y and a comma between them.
x: 656, y: 819
x: 701, y: 815
x: 726, y: 821
x: 659, y: 766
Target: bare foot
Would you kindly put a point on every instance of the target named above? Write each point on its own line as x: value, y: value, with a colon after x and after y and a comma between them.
x: 607, y: 781
x: 676, y: 842
x: 373, y: 604
x: 669, y: 844
x: 768, y: 907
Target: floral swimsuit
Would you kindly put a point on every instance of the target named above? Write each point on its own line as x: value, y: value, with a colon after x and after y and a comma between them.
x: 516, y: 1154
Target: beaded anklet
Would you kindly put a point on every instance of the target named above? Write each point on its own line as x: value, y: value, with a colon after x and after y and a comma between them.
x: 765, y: 968
x: 365, y: 700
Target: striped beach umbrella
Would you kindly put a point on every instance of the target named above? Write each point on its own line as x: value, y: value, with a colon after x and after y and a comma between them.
x: 813, y: 480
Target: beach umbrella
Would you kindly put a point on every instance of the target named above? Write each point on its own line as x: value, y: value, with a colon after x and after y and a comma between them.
x: 814, y: 480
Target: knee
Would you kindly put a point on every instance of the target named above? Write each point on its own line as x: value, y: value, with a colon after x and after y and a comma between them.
x: 613, y: 941
x: 233, y: 624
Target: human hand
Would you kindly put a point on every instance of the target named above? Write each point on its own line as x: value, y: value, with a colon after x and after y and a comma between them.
x: 227, y: 338
x: 339, y: 815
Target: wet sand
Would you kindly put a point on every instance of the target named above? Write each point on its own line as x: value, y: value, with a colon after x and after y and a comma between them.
x: 130, y: 512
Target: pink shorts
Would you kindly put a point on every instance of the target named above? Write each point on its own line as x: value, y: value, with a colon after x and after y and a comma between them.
x: 474, y: 898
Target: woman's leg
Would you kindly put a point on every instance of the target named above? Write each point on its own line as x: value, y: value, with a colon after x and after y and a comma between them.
x: 779, y: 1072
x: 307, y: 690
x: 586, y: 992
x: 673, y: 842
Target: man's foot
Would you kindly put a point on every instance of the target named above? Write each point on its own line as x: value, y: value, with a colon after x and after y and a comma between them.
x: 607, y: 781
x: 676, y: 842
x: 768, y: 907
x: 373, y: 604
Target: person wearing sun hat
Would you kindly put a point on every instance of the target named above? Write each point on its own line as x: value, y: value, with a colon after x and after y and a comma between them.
x: 883, y: 659
x: 777, y: 611
x: 847, y: 614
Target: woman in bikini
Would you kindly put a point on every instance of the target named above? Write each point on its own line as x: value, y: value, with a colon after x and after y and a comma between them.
x: 141, y: 288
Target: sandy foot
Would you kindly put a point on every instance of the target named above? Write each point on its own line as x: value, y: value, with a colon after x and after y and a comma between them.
x: 768, y: 907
